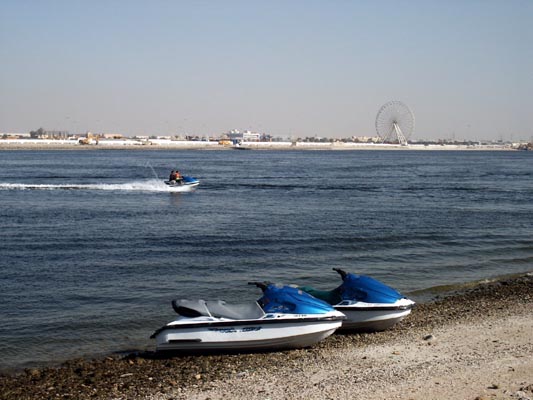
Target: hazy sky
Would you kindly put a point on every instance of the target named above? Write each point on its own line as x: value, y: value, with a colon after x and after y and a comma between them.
x: 287, y: 67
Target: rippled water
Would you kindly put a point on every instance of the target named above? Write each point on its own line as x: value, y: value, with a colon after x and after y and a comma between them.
x: 93, y: 247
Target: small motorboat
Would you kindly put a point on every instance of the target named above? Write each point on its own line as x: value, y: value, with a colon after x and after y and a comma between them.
x: 368, y: 304
x: 185, y: 182
x: 283, y: 318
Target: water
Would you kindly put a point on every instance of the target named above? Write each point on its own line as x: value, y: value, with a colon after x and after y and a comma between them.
x: 93, y: 248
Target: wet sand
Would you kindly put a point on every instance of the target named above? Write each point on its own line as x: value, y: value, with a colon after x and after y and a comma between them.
x: 473, y: 344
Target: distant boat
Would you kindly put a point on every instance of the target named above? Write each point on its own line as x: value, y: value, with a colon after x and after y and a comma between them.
x: 237, y: 145
x: 187, y: 183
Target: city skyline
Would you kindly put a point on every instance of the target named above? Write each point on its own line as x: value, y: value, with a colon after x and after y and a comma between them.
x: 290, y: 69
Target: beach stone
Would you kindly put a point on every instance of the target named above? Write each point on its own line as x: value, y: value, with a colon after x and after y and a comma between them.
x: 429, y: 337
x: 34, y: 373
x: 528, y: 388
x: 520, y: 395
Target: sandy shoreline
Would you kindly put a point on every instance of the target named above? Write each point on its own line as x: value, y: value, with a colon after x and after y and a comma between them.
x: 476, y: 344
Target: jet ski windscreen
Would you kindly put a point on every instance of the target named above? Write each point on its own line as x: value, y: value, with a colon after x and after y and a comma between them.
x: 367, y: 289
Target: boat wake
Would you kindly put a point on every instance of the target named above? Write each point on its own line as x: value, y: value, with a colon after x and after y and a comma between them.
x: 136, y: 186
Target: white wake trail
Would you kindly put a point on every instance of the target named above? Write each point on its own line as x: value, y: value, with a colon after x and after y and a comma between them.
x: 136, y: 186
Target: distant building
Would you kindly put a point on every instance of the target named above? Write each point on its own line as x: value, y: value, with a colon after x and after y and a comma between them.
x: 112, y: 136
x: 234, y: 134
x: 55, y: 135
x: 246, y: 136
x: 14, y: 135
x: 365, y: 139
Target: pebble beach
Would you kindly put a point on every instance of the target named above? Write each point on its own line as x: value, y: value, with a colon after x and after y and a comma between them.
x: 475, y: 344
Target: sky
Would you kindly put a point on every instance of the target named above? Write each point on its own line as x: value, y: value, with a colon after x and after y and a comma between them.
x: 290, y: 68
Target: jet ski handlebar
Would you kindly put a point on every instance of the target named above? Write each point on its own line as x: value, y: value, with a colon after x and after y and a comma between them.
x: 260, y: 285
x: 341, y: 272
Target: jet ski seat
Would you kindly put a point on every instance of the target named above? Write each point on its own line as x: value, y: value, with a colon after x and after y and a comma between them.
x: 190, y: 308
x: 217, y: 309
x: 329, y: 296
x: 221, y: 309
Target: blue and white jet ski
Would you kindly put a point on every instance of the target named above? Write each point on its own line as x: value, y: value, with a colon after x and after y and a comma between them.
x: 368, y: 304
x: 186, y: 183
x: 284, y: 317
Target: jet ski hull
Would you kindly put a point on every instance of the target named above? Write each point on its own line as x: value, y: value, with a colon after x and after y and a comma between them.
x: 181, y: 188
x: 274, y: 332
x: 187, y: 184
x: 367, y: 317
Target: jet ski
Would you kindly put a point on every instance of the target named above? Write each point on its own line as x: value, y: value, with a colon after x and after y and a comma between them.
x: 368, y: 304
x: 283, y: 318
x: 187, y: 182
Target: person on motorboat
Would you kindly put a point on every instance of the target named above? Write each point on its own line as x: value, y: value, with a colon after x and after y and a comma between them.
x: 175, y: 177
x: 179, y: 177
x: 172, y: 176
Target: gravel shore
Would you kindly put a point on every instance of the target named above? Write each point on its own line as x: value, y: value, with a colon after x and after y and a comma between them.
x: 475, y: 344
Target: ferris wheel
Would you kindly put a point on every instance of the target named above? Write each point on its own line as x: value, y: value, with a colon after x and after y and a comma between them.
x: 395, y: 122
